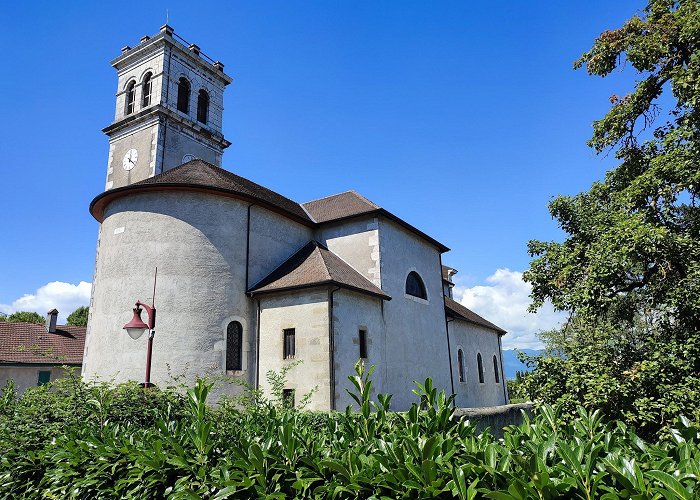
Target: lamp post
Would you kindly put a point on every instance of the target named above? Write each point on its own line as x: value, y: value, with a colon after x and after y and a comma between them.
x: 136, y: 327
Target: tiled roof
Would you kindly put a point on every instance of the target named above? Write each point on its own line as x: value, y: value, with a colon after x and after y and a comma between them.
x: 199, y: 174
x: 27, y: 343
x: 351, y: 204
x: 339, y: 206
x: 457, y: 310
x: 315, y: 265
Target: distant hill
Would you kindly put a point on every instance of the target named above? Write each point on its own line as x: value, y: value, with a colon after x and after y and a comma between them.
x: 511, y: 364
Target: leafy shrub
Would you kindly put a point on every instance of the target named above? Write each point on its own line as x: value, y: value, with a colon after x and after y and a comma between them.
x: 187, y: 449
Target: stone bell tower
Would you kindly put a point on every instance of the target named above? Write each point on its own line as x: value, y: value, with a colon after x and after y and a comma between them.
x: 169, y: 109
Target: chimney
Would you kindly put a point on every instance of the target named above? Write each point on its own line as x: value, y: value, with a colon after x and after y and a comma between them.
x: 51, y: 318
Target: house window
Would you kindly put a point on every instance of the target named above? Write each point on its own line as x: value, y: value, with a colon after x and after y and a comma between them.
x: 234, y: 346
x: 495, y: 369
x: 288, y: 398
x: 202, y: 106
x: 183, y: 95
x: 146, y: 88
x: 130, y: 97
x: 44, y: 377
x: 289, y: 343
x: 363, y: 344
x: 480, y: 365
x: 460, y: 365
x: 415, y: 286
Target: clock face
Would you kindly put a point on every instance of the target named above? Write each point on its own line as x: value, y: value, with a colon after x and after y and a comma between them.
x: 130, y: 159
x: 188, y: 157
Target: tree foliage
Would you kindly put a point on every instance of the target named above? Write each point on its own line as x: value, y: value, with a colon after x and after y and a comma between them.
x: 79, y: 317
x: 73, y: 440
x: 23, y: 317
x: 628, y: 269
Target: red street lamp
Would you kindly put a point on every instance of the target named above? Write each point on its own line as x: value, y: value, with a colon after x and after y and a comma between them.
x: 136, y: 327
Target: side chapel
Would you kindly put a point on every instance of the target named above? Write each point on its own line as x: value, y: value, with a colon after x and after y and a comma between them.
x: 249, y: 280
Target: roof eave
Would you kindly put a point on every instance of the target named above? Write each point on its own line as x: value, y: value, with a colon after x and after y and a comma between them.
x: 100, y: 202
x: 318, y: 284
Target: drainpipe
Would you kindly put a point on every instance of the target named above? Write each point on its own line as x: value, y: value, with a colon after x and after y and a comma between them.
x: 247, y: 249
x: 257, y: 348
x: 503, y: 375
x: 331, y: 346
x: 447, y: 334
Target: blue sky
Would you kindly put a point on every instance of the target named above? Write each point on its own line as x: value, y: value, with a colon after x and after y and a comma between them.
x: 463, y: 118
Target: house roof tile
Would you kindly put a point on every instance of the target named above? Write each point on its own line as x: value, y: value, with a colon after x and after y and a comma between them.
x: 27, y: 343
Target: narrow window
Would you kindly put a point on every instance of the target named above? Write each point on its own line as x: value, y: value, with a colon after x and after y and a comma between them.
x: 495, y: 369
x: 415, y: 286
x: 234, y: 346
x: 146, y: 87
x: 289, y: 347
x: 183, y: 95
x: 288, y: 398
x: 44, y: 378
x: 202, y: 106
x: 363, y: 344
x: 481, y: 368
x: 460, y: 365
x: 130, y: 97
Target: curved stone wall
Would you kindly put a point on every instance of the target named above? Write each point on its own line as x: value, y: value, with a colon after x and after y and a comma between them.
x: 198, y: 243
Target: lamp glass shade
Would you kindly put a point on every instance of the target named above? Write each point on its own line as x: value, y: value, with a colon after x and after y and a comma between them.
x: 136, y: 326
x: 135, y: 333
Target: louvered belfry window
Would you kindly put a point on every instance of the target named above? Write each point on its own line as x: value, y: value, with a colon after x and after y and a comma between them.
x: 183, y: 95
x: 234, y: 346
x: 289, y: 349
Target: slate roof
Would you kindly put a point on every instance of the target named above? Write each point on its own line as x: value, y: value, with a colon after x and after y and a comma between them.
x: 315, y: 265
x: 350, y: 204
x: 457, y: 310
x: 339, y: 206
x: 199, y: 174
x: 27, y: 343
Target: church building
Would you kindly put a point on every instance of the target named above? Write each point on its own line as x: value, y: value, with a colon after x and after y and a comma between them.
x: 250, y: 281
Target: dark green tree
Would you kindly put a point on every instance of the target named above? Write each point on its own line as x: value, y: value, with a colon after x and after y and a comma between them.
x: 25, y: 317
x: 628, y: 269
x: 79, y: 317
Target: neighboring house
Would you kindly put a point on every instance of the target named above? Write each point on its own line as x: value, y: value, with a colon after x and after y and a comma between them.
x: 250, y: 281
x: 33, y: 354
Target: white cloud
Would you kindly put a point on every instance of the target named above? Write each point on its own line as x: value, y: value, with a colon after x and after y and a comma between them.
x: 65, y: 297
x: 504, y: 301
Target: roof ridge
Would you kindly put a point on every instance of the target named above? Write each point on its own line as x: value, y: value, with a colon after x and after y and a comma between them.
x: 329, y: 196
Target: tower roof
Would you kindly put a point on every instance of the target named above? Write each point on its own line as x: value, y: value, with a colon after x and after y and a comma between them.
x: 198, y: 175
x: 315, y: 265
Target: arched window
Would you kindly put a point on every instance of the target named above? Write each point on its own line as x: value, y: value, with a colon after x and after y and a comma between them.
x: 183, y: 95
x: 480, y: 365
x: 234, y: 346
x: 495, y: 369
x: 460, y: 367
x: 146, y: 87
x: 130, y: 97
x: 202, y: 106
x: 415, y: 286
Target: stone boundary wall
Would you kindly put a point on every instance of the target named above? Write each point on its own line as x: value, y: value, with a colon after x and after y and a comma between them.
x: 495, y: 417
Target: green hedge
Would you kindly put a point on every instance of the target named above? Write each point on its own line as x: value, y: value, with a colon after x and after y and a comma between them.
x: 78, y: 441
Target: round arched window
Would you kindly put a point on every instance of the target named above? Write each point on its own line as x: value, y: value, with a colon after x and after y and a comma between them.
x: 234, y: 346
x: 415, y: 286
